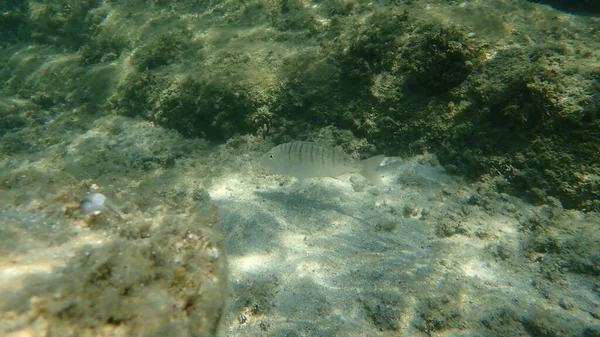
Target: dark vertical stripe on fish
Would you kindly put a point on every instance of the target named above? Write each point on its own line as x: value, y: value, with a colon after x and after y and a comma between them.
x: 312, y: 147
x: 322, y: 154
x: 282, y: 150
x: 333, y: 158
x: 300, y: 153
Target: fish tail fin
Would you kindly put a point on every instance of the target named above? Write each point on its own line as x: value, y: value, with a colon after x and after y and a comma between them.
x: 369, y: 169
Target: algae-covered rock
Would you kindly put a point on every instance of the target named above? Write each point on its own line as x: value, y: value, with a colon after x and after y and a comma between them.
x: 491, y: 94
x: 68, y: 23
x: 65, y: 272
x: 525, y: 124
x: 13, y: 17
x: 212, y: 108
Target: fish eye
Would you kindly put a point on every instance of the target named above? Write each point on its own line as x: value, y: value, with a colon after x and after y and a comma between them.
x: 271, y: 156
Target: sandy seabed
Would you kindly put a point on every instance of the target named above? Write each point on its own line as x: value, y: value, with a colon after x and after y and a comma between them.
x: 424, y: 254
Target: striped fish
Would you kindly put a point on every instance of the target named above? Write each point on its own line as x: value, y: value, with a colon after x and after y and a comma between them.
x: 305, y: 159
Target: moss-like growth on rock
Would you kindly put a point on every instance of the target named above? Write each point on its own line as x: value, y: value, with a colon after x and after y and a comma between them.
x: 112, y: 276
x: 522, y: 123
x: 210, y: 109
x: 133, y: 97
x: 405, y: 80
x: 13, y: 17
x: 67, y: 23
x: 160, y: 51
x: 441, y: 58
x: 103, y: 48
x: 373, y: 46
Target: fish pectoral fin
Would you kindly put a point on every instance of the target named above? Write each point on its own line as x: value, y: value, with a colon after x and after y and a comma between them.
x: 342, y: 177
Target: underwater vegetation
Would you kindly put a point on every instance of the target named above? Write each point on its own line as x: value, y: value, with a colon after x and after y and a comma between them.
x: 398, y: 81
x: 402, y: 84
x: 81, y: 262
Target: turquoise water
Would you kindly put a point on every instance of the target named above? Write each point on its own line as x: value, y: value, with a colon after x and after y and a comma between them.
x: 132, y: 200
